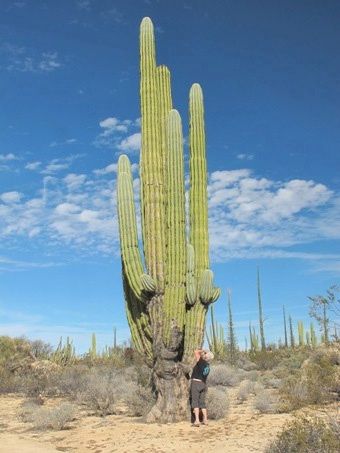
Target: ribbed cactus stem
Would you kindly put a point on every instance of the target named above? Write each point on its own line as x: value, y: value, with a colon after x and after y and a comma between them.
x: 175, y: 289
x: 151, y: 171
x: 191, y: 279
x: 198, y: 181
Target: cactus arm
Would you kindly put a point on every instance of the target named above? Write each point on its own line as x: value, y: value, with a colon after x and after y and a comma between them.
x: 198, y: 181
x: 137, y: 320
x: 151, y: 171
x: 131, y: 257
x: 175, y: 289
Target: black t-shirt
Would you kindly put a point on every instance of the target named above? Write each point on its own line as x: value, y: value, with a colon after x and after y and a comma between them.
x: 201, y: 370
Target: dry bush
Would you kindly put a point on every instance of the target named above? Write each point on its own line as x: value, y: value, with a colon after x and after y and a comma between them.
x: 55, y: 418
x: 217, y: 403
x: 72, y: 379
x: 224, y: 375
x: 139, y: 399
x: 245, y: 364
x: 102, y: 390
x: 307, y: 435
x: 270, y: 381
x: 246, y: 388
x: 8, y: 383
x: 266, y: 402
x: 28, y: 408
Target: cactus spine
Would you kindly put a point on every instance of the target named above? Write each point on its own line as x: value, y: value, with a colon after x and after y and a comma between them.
x: 168, y: 291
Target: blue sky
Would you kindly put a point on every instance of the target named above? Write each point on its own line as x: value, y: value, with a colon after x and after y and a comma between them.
x: 69, y: 69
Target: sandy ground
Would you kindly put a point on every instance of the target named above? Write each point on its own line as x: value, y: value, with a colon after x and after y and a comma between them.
x: 244, y: 430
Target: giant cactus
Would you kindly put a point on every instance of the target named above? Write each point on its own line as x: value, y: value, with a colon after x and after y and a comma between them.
x: 167, y: 291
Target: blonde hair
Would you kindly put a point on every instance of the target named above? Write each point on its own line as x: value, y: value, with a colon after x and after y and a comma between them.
x: 207, y: 355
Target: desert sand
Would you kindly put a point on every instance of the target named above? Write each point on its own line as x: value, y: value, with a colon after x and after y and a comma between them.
x: 244, y: 430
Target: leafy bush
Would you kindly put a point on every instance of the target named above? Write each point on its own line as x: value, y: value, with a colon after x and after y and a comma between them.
x: 307, y: 435
x: 266, y: 402
x: 217, y: 403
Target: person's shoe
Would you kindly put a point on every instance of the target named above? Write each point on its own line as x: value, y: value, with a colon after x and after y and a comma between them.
x: 205, y: 422
x: 196, y: 424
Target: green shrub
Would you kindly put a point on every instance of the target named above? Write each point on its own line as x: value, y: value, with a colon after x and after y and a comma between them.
x: 317, y: 382
x: 307, y: 435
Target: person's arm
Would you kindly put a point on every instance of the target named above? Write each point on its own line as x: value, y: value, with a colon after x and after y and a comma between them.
x: 198, y: 354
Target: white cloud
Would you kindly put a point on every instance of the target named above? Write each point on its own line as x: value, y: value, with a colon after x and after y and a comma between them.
x: 74, y: 181
x: 11, y: 197
x: 8, y: 157
x: 131, y: 144
x: 114, y: 124
x: 249, y: 217
x: 33, y: 165
x: 113, y: 131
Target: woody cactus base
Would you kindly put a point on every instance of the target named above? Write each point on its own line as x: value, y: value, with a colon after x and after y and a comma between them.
x: 168, y: 291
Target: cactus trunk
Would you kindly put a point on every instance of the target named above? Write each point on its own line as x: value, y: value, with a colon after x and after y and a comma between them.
x: 169, y: 289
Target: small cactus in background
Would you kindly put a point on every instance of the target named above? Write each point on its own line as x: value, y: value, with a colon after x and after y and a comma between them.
x: 254, y: 339
x: 93, y: 347
x: 231, y: 339
x: 301, y: 332
x: 292, y: 339
x: 169, y: 290
x: 261, y: 321
x: 285, y: 327
x: 64, y: 354
x: 216, y: 338
x: 115, y: 338
x: 313, y: 338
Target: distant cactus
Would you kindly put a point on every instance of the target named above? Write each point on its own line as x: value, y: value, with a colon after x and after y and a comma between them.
x: 285, y: 327
x: 216, y: 338
x: 231, y: 338
x: 254, y: 339
x: 301, y: 332
x: 261, y: 321
x: 93, y: 347
x: 292, y: 339
x: 169, y: 290
x: 313, y: 339
x: 64, y: 354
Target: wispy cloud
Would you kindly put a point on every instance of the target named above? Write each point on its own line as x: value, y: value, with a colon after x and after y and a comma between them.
x: 33, y: 165
x: 22, y: 59
x: 69, y: 141
x: 244, y: 156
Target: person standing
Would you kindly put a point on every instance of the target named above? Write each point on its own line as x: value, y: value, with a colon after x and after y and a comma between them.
x: 198, y: 387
